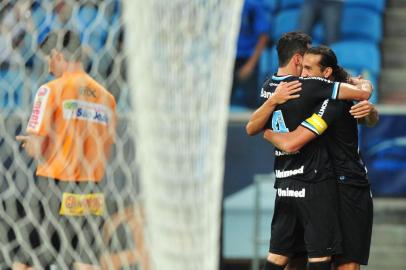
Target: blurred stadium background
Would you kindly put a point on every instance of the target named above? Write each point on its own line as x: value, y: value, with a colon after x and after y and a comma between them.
x: 372, y: 44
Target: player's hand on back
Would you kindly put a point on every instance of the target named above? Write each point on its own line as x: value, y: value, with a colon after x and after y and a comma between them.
x: 355, y: 80
x: 361, y: 109
x: 286, y: 91
x: 361, y: 83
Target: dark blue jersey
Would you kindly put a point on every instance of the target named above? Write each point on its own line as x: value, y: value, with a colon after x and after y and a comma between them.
x: 311, y: 163
x: 341, y: 139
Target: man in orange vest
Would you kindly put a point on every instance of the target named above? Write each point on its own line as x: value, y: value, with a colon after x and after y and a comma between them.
x: 69, y: 133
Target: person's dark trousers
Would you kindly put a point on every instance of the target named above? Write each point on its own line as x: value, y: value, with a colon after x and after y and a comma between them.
x: 328, y: 12
x: 331, y: 18
x: 245, y: 92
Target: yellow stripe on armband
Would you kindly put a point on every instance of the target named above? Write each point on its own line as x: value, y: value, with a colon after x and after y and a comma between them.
x: 318, y: 123
x: 82, y: 204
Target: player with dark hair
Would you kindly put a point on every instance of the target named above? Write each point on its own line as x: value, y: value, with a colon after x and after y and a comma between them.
x: 306, y: 200
x: 338, y: 121
x: 69, y: 133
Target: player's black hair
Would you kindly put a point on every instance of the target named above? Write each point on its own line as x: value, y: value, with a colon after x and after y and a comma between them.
x: 329, y: 59
x: 68, y: 42
x: 290, y: 44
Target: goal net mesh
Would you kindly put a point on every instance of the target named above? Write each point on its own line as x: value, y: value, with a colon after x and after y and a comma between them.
x: 168, y: 63
x: 182, y: 55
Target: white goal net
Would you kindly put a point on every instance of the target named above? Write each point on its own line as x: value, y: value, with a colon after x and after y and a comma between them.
x: 168, y: 63
x: 182, y: 56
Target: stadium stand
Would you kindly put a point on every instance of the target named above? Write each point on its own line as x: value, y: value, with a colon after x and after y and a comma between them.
x: 286, y: 20
x: 359, y: 57
x: 12, y: 80
x: 376, y: 5
x: 358, y: 49
x: 359, y: 23
x: 394, y: 56
x: 99, y: 26
x: 290, y: 4
x: 373, y: 38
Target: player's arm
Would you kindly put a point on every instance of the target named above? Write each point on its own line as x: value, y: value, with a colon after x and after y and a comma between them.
x: 291, y: 141
x: 283, y: 93
x: 39, y: 124
x: 366, y: 113
x: 360, y: 89
x: 324, y: 115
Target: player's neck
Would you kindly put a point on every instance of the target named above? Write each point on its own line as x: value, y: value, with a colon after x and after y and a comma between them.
x: 283, y: 71
x: 74, y: 67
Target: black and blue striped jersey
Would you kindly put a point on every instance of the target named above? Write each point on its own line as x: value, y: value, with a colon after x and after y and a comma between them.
x: 311, y: 163
x: 341, y: 139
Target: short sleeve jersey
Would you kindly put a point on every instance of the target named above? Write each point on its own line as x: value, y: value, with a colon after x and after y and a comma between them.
x: 311, y: 163
x: 76, y: 117
x: 341, y: 138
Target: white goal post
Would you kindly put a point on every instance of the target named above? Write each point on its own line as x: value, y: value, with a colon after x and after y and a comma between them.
x: 169, y: 64
x: 181, y: 55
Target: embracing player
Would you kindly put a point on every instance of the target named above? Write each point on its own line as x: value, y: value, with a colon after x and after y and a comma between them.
x: 337, y: 120
x: 305, y: 216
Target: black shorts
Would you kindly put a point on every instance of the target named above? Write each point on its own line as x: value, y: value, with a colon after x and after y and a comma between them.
x: 356, y: 218
x: 305, y: 219
x: 48, y: 237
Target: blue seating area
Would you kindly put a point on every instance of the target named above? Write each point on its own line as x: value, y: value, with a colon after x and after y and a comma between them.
x: 97, y: 25
x: 376, y: 5
x: 285, y: 21
x: 12, y: 89
x: 357, y: 50
x: 360, y: 58
x: 360, y: 37
x: 361, y: 24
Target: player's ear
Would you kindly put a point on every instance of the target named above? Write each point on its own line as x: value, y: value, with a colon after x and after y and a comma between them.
x: 327, y: 72
x: 298, y: 59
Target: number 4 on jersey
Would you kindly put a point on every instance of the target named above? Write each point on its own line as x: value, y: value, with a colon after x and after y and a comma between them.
x: 278, y: 123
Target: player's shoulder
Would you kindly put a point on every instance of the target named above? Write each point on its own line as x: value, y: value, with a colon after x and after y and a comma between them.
x: 49, y: 87
x: 43, y: 91
x: 276, y: 79
x: 267, y: 84
x: 101, y: 89
x: 314, y: 80
x: 57, y: 83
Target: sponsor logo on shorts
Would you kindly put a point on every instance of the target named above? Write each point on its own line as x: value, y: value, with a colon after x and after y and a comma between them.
x: 82, y: 204
x: 291, y: 193
x: 39, y: 108
x: 88, y: 111
x: 284, y: 174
